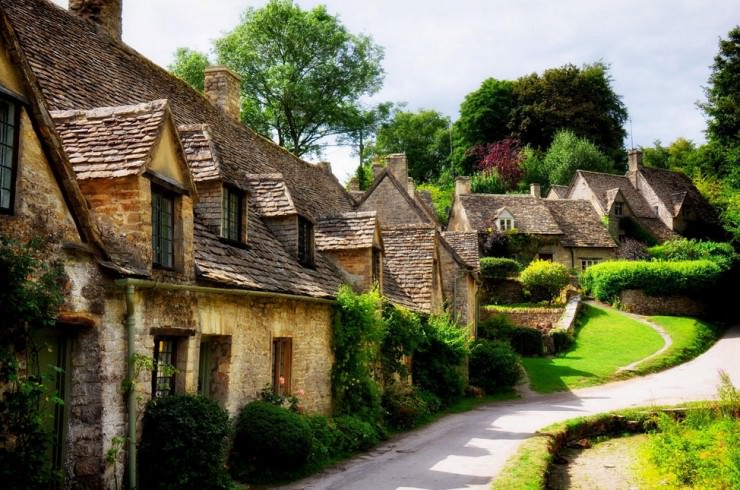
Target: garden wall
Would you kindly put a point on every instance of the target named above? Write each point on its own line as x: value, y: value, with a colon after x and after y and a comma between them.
x: 541, y: 318
x: 636, y: 301
x: 503, y: 292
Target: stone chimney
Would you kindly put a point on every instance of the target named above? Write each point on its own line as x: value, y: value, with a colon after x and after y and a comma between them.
x: 462, y: 185
x: 325, y: 166
x: 222, y: 89
x: 377, y: 169
x: 534, y: 190
x: 353, y: 185
x: 411, y: 187
x: 105, y: 13
x: 398, y: 166
x: 634, y: 157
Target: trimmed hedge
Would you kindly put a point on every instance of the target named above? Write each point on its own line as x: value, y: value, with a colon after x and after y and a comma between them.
x: 606, y: 280
x: 493, y: 366
x: 720, y: 253
x: 543, y: 279
x: 526, y: 341
x: 183, y: 444
x: 498, y: 267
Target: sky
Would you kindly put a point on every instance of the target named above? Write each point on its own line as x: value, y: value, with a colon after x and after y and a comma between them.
x: 437, y: 51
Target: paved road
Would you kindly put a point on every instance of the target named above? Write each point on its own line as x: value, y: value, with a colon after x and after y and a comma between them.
x: 466, y: 451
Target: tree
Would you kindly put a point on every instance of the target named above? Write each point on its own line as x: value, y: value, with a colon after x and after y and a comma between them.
x: 569, y: 153
x: 302, y: 72
x: 503, y: 158
x: 723, y: 93
x: 425, y: 138
x: 579, y: 99
x: 190, y: 66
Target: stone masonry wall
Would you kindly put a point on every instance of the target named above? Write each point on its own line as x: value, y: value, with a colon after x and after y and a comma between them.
x: 541, y: 318
x: 391, y: 206
x: 285, y: 229
x: 356, y: 266
x: 636, y: 301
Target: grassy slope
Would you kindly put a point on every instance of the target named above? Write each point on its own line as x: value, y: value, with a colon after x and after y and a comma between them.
x: 606, y: 341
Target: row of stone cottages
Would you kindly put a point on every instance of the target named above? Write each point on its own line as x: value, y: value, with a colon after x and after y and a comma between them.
x: 184, y: 235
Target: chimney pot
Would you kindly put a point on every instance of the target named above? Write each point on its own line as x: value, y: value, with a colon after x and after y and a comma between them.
x: 534, y: 190
x: 325, y: 166
x: 634, y: 157
x: 377, y: 169
x: 106, y: 14
x: 222, y: 89
x: 462, y: 185
x: 411, y: 188
x: 399, y: 167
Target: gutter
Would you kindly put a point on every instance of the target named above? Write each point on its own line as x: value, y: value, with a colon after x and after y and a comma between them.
x: 129, y: 285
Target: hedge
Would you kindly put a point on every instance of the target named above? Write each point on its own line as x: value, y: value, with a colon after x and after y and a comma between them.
x: 686, y: 249
x: 606, y: 280
x: 543, y: 279
x: 498, y: 267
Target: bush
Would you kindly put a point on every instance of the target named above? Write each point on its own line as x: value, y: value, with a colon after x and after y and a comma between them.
x: 498, y: 267
x: 183, y: 444
x: 356, y: 434
x: 543, y: 279
x: 268, y: 442
x: 438, y: 364
x: 325, y: 439
x: 722, y: 254
x: 493, y: 366
x: 606, y: 280
x: 404, y: 405
x: 496, y: 327
x: 402, y: 337
x: 526, y: 341
x: 562, y: 340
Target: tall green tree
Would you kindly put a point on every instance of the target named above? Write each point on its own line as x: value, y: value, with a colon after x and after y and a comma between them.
x: 425, y: 138
x: 569, y: 153
x: 723, y: 93
x: 302, y: 72
x: 579, y: 99
x: 190, y: 66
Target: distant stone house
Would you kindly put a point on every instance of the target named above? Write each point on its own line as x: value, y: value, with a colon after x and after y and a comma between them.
x: 566, y: 231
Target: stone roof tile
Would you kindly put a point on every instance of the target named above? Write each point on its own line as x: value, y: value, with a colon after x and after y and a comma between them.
x: 675, y: 190
x: 580, y: 224
x: 346, y: 231
x: 601, y: 184
x: 270, y: 195
x: 530, y: 213
x: 200, y: 152
x: 409, y: 265
x: 465, y: 243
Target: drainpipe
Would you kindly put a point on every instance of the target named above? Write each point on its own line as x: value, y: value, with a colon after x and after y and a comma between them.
x: 132, y: 408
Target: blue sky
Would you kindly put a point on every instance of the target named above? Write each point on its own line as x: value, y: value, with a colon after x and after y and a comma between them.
x: 437, y: 51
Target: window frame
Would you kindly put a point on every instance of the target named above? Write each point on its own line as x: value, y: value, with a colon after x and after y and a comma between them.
x: 505, y: 224
x: 619, y: 209
x: 376, y: 267
x: 159, y: 259
x: 282, y: 365
x: 305, y: 251
x: 158, y: 392
x: 14, y: 146
x: 587, y: 262
x: 228, y: 207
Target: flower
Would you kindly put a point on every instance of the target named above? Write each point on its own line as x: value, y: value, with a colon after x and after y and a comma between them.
x: 281, y: 380
x: 301, y: 393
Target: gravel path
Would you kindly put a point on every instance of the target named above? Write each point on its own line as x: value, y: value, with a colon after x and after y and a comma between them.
x: 465, y: 451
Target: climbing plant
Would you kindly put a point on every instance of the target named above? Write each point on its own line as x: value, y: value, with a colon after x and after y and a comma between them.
x: 31, y: 296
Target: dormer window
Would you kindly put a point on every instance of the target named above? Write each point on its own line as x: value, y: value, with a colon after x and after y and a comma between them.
x: 8, y: 153
x: 232, y: 215
x: 305, y: 241
x: 618, y: 209
x: 505, y: 224
x: 163, y: 227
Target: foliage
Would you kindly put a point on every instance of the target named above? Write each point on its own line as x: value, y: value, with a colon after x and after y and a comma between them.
x: 268, y: 441
x: 526, y: 341
x: 358, y: 329
x: 562, y: 340
x: 544, y: 279
x: 268, y: 395
x: 190, y: 65
x: 31, y: 296
x: 356, y: 434
x: 503, y: 157
x: 183, y: 444
x: 403, y: 335
x: 723, y: 254
x: 521, y: 247
x: 442, y: 194
x: 498, y: 267
x: 487, y: 182
x: 606, y: 280
x: 438, y: 363
x: 632, y: 229
x: 325, y: 437
x: 723, y: 92
x: 423, y: 136
x: 493, y: 366
x: 496, y: 327
x: 404, y: 405
x: 569, y: 153
x: 579, y: 99
x: 361, y: 126
x: 302, y: 72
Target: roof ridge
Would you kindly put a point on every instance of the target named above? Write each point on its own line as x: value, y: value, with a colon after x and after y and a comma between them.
x: 157, y: 105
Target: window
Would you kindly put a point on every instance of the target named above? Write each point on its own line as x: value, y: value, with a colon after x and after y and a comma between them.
x: 163, y: 228
x: 618, y: 209
x: 505, y: 224
x: 282, y: 353
x: 376, y: 266
x: 586, y: 263
x: 9, y: 115
x: 232, y: 222
x: 165, y: 357
x: 547, y: 257
x: 305, y: 241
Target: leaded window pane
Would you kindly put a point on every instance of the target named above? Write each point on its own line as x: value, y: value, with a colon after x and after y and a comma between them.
x: 7, y: 153
x: 163, y: 228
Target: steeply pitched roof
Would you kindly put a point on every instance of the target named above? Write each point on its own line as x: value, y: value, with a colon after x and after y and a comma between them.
x: 109, y: 142
x: 409, y: 264
x: 601, y: 184
x: 270, y: 195
x: 425, y: 215
x: 676, y: 190
x: 465, y: 243
x: 200, y: 152
x: 530, y: 213
x: 558, y: 192
x: 580, y: 223
x: 346, y: 231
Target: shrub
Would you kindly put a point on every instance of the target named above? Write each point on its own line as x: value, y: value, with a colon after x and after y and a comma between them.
x: 402, y: 336
x: 723, y: 254
x: 493, y: 366
x: 496, y: 327
x: 183, y: 444
x: 526, y: 341
x: 606, y: 280
x: 269, y: 440
x: 404, y: 405
x: 543, y: 279
x: 438, y: 364
x: 562, y: 340
x: 325, y: 439
x: 498, y: 267
x: 356, y: 434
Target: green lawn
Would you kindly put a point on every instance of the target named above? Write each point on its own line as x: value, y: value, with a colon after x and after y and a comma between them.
x: 690, y: 338
x: 606, y: 341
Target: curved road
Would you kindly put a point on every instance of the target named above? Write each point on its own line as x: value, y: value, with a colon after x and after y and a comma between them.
x: 467, y: 450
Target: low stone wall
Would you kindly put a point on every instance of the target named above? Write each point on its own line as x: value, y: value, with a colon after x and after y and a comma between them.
x: 636, y: 301
x: 503, y: 292
x: 567, y: 320
x: 540, y: 318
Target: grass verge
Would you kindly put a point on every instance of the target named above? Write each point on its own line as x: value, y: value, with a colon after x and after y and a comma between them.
x: 606, y: 340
